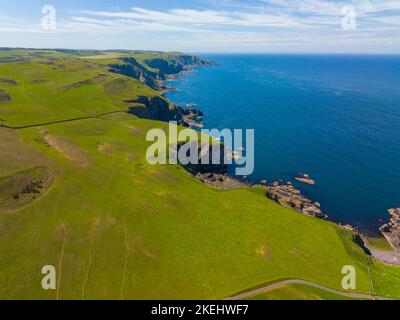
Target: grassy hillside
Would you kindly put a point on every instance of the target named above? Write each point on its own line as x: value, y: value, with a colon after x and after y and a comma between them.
x: 80, y: 195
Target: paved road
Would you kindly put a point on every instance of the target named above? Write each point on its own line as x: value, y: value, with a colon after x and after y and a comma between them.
x: 307, y: 283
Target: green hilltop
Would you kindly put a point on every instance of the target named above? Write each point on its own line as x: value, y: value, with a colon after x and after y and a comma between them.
x: 76, y: 192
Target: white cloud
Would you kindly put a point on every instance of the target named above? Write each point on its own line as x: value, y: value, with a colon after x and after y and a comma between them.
x: 269, y: 24
x: 203, y: 17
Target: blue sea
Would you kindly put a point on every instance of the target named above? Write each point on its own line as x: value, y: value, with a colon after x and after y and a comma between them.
x: 335, y: 117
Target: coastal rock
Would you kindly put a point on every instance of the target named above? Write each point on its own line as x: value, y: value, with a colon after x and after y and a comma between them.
x: 305, y: 178
x: 220, y: 181
x: 290, y: 197
x: 191, y: 117
x: 205, y: 163
x: 391, y: 230
x: 347, y: 227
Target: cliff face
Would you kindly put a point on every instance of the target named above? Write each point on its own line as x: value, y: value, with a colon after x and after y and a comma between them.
x: 131, y: 68
x: 175, y: 64
x: 155, y: 108
x: 165, y: 65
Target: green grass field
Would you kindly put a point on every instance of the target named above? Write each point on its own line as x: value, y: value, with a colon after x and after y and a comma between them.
x: 116, y: 227
x: 379, y: 243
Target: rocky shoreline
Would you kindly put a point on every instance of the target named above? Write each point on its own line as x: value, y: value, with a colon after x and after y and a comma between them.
x: 287, y: 195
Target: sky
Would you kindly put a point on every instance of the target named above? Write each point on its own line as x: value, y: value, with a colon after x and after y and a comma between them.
x: 214, y: 26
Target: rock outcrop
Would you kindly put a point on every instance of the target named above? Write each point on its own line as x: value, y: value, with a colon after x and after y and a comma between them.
x: 220, y: 181
x: 288, y: 196
x: 191, y: 117
x: 208, y: 161
x: 212, y: 173
x: 347, y: 227
x: 391, y: 231
x: 154, y: 108
x: 158, y: 108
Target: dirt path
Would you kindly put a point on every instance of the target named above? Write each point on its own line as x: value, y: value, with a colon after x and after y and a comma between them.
x: 281, y: 284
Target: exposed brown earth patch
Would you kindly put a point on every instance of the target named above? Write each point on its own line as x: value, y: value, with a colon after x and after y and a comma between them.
x: 107, y: 149
x: 67, y: 149
x: 135, y: 130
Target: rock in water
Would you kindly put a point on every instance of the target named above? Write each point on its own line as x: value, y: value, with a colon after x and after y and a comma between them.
x: 305, y: 178
x: 391, y: 231
x: 288, y: 196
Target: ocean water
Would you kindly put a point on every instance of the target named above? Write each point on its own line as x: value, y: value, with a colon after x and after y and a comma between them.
x: 335, y: 117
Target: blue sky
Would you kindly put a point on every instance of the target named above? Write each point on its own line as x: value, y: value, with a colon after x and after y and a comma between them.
x: 206, y: 25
